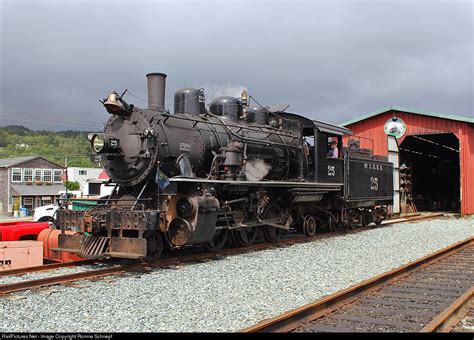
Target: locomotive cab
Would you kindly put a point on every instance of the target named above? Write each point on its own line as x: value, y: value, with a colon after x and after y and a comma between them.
x: 330, y: 168
x: 317, y: 164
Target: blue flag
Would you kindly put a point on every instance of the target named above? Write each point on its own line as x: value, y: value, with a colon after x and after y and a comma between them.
x: 161, y: 180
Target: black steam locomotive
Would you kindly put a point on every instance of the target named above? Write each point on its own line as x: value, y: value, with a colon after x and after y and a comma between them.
x: 203, y: 177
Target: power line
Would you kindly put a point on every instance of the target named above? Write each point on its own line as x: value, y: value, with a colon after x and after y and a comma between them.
x: 45, y: 143
x: 53, y: 123
x: 148, y: 102
x: 54, y: 156
x: 184, y: 101
x: 50, y: 115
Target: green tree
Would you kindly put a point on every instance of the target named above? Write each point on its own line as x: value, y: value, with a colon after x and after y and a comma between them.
x: 16, y: 141
x: 72, y: 185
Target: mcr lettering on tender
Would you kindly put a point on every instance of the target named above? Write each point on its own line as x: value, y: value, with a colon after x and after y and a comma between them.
x: 373, y: 166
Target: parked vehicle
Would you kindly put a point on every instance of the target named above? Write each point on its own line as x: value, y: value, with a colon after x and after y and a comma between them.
x: 46, y: 213
x: 21, y: 230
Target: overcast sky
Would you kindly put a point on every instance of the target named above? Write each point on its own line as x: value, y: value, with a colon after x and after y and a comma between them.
x: 332, y: 61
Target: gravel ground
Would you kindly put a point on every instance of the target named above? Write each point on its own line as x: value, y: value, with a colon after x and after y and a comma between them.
x: 231, y: 293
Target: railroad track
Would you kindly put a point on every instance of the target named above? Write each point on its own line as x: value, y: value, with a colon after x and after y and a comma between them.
x: 428, y: 295
x: 45, y: 267
x: 167, y: 262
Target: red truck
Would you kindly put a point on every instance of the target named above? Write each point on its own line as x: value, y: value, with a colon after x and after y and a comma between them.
x: 19, y: 231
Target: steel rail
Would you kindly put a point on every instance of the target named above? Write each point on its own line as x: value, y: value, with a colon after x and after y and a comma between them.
x: 450, y: 316
x: 143, y: 266
x: 290, y: 320
x: 256, y: 247
x: 45, y: 267
x: 90, y: 274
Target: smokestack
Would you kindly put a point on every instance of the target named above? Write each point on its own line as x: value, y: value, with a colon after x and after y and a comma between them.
x: 156, y: 91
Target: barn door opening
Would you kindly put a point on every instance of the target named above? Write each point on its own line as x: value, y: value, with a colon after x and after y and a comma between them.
x: 430, y: 172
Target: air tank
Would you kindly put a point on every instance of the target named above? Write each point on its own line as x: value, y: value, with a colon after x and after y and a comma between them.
x: 228, y: 107
x: 189, y: 100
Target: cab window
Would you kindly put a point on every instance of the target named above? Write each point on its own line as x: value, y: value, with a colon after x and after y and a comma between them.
x: 333, y: 147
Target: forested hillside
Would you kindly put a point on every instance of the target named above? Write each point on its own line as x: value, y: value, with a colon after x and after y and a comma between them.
x: 17, y: 141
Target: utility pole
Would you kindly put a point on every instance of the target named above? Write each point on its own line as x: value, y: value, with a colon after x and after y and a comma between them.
x: 65, y: 165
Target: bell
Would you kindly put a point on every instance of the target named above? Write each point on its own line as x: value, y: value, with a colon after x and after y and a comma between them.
x: 112, y: 104
x: 244, y: 98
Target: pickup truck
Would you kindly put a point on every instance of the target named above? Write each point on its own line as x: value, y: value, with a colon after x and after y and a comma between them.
x: 46, y: 213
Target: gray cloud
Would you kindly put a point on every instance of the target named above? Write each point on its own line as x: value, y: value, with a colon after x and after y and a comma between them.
x: 329, y: 60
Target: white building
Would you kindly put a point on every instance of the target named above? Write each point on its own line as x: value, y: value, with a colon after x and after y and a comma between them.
x: 81, y: 175
x: 97, y: 187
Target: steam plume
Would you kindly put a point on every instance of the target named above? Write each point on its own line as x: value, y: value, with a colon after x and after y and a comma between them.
x: 256, y: 169
x: 214, y: 91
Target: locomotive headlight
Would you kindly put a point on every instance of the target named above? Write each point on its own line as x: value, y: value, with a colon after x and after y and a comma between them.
x: 98, y: 143
x: 104, y: 144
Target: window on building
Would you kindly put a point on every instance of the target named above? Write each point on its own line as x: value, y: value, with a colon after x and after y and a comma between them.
x: 57, y: 175
x: 47, y: 175
x: 94, y: 189
x: 38, y: 175
x: 16, y: 175
x: 45, y: 200
x: 28, y: 203
x: 82, y: 172
x: 27, y: 175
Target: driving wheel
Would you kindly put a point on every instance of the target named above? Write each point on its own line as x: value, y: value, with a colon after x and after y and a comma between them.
x: 245, y: 236
x: 272, y: 234
x: 218, y: 241
x: 154, y: 245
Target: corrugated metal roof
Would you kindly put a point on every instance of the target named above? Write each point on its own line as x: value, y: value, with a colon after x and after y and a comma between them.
x: 418, y: 112
x: 6, y: 162
x: 37, y: 190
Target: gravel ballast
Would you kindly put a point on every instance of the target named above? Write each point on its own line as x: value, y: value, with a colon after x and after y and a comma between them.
x: 234, y: 292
